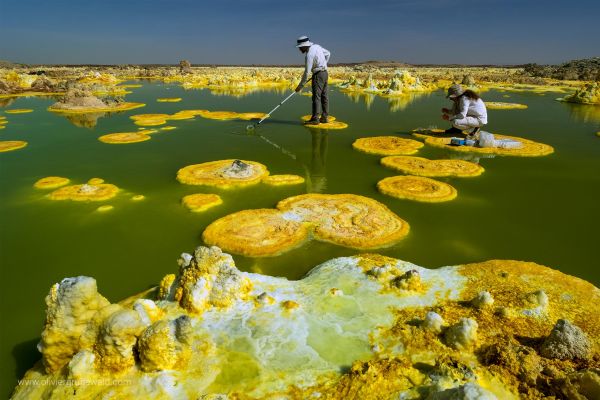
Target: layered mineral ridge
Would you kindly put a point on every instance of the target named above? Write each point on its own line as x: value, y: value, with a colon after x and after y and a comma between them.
x: 363, y: 327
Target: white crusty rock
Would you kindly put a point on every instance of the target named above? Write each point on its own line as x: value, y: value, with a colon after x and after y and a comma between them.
x: 482, y: 300
x: 433, y: 322
x: 461, y: 335
x: 566, y: 342
x: 166, y: 344
x: 468, y: 391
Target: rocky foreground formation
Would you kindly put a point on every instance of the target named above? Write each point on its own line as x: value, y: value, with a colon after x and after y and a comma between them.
x: 354, y: 328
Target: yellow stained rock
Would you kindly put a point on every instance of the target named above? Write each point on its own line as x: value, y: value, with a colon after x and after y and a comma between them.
x: 9, y: 145
x: 169, y: 99
x: 124, y: 137
x: 51, y: 182
x: 199, y: 202
x: 417, y: 188
x: 19, y: 111
x: 223, y: 173
x: 387, y: 145
x: 256, y: 233
x: 529, y: 148
x: 284, y: 179
x: 85, y: 192
x: 347, y: 220
x: 498, y: 105
x: 432, y: 168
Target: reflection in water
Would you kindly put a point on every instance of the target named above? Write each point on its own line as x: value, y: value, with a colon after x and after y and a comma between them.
x: 239, y: 92
x: 472, y: 157
x: 316, y: 178
x: 7, y: 101
x: 87, y: 120
x: 357, y: 97
x: 399, y: 103
x: 584, y: 112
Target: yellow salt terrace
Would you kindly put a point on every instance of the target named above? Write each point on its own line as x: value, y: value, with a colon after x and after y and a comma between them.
x: 284, y: 179
x: 256, y: 233
x: 85, y: 192
x: 417, y: 188
x: 169, y: 99
x: 125, y: 106
x: 199, y: 202
x: 10, y: 145
x: 497, y: 105
x: 347, y: 220
x: 432, y: 168
x: 529, y: 148
x: 223, y: 173
x: 124, y: 137
x: 387, y: 145
x: 51, y: 182
x: 19, y: 111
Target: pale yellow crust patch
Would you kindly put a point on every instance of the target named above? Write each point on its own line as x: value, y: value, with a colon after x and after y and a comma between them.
x: 104, y: 208
x: 10, y: 145
x: 417, y: 188
x: 168, y: 99
x: 199, y: 202
x: 214, y: 173
x: 498, y: 105
x: 51, y: 182
x: 284, y: 179
x: 85, y: 192
x: 387, y: 145
x: 432, y: 168
x: 124, y: 138
x: 19, y: 111
x: 118, y: 107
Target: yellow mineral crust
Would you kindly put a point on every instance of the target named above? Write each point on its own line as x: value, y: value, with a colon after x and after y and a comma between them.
x: 105, y: 208
x: 332, y: 124
x: 529, y: 148
x: 95, y: 181
x: 417, y: 188
x: 51, y: 182
x: 124, y: 137
x: 281, y: 180
x: 85, y: 192
x: 497, y: 105
x: 432, y: 168
x: 9, y: 145
x: 111, y: 108
x: 169, y: 99
x: 348, y: 220
x: 223, y: 173
x: 220, y: 115
x: 19, y: 111
x: 256, y: 233
x: 387, y: 145
x: 199, y: 202
x: 305, y: 118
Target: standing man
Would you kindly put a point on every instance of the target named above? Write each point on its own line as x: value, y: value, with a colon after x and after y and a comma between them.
x: 316, y: 59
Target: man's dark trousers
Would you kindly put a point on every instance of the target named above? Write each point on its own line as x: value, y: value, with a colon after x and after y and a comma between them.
x: 320, y: 99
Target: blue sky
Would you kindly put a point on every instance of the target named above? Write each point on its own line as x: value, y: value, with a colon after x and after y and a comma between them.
x: 264, y: 31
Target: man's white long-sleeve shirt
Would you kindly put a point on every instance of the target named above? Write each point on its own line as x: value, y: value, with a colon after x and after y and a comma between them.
x: 316, y: 59
x: 466, y: 107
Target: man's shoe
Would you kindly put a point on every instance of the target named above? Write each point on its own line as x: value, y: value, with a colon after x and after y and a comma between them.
x: 453, y: 131
x: 324, y: 120
x: 312, y: 122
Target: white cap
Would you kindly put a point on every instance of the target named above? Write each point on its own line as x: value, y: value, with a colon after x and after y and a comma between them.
x: 303, y: 41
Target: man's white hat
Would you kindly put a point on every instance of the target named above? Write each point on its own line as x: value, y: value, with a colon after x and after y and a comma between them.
x: 303, y: 41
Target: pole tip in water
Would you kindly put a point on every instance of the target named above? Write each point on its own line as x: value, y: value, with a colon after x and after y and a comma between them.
x: 249, y: 127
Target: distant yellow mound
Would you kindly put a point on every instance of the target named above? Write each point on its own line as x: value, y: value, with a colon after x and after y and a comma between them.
x: 223, y: 173
x: 85, y: 192
x: 51, y: 182
x: 124, y: 137
x: 387, y: 145
x: 9, y: 145
x: 19, y: 111
x: 416, y: 188
x: 201, y: 202
x: 285, y: 179
x: 496, y: 105
x: 432, y: 168
x: 169, y: 99
x: 256, y: 233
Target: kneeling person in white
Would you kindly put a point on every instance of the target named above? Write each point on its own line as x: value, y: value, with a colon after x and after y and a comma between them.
x: 468, y: 111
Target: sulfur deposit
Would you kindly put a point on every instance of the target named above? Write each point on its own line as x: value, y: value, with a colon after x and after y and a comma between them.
x: 199, y: 202
x: 331, y: 124
x: 417, y: 188
x: 588, y: 94
x: 9, y: 145
x: 82, y: 100
x: 124, y: 137
x: 283, y: 180
x: 387, y: 145
x: 85, y: 192
x: 51, y: 182
x: 496, y: 105
x: 18, y: 111
x: 432, y: 168
x: 223, y: 173
x: 343, y: 219
x: 363, y: 327
x: 169, y: 99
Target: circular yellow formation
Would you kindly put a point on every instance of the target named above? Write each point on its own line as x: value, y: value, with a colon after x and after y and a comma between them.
x: 19, y: 111
x: 169, y: 99
x: 223, y: 173
x: 284, y: 179
x: 305, y: 118
x: 529, y: 148
x: 227, y: 115
x: 51, y: 182
x: 498, y: 105
x: 138, y: 197
x: 387, y: 145
x: 256, y: 233
x: 251, y: 115
x: 85, y: 192
x: 332, y: 124
x: 201, y: 202
x: 10, y: 145
x: 104, y: 208
x: 417, y: 188
x: 432, y: 168
x: 95, y: 181
x: 348, y: 220
x: 124, y: 137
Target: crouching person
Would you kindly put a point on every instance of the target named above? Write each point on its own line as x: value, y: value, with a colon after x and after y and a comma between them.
x: 468, y: 111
